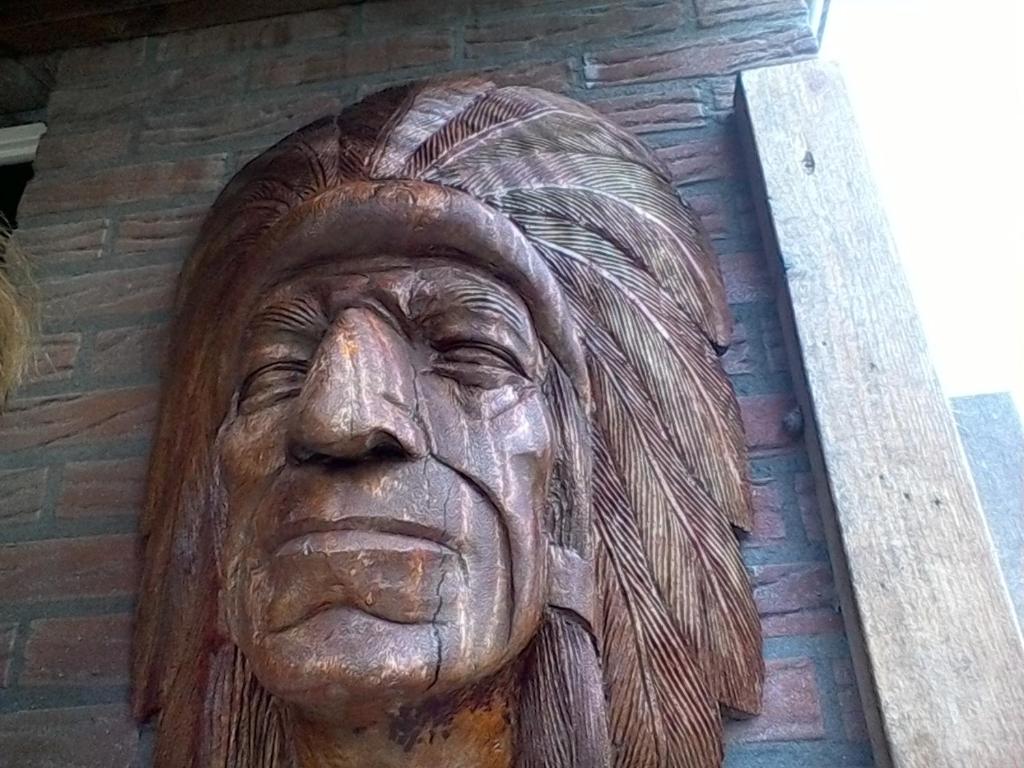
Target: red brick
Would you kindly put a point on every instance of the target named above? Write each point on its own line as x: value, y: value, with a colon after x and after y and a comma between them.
x: 349, y: 59
x: 769, y: 524
x: 792, y: 706
x: 746, y: 278
x: 558, y: 28
x: 77, y: 651
x: 745, y: 213
x: 807, y: 501
x: 508, y: 5
x: 88, y: 147
x: 698, y: 57
x: 100, y: 104
x: 234, y: 122
x: 61, y: 569
x: 102, y: 488
x: 851, y: 709
x: 713, y: 212
x: 842, y: 672
x: 22, y: 493
x: 550, y: 75
x: 7, y: 634
x: 124, y: 184
x: 123, y: 102
x: 740, y: 358
x: 711, y: 12
x: 651, y: 112
x: 698, y: 160
x: 723, y: 94
x: 174, y: 229
x: 764, y: 420
x: 54, y: 358
x: 796, y: 599
x: 82, y: 737
x: 129, y: 351
x: 276, y: 32
x: 192, y: 80
x: 775, y: 354
x: 101, y: 294
x: 403, y: 14
x: 77, y: 243
x: 114, y: 61
x: 74, y: 419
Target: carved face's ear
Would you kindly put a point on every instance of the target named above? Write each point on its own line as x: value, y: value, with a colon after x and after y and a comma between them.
x: 571, y: 583
x: 569, y: 490
x: 570, y: 563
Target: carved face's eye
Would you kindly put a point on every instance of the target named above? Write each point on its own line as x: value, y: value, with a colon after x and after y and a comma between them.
x: 477, y: 363
x: 271, y: 384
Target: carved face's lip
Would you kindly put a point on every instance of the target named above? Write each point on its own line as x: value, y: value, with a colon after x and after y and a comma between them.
x: 394, y: 577
x: 326, y: 536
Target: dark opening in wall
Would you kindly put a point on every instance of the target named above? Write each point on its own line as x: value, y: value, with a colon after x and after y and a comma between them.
x: 13, y: 179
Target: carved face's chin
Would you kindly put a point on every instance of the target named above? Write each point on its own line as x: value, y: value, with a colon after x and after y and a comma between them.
x: 344, y: 660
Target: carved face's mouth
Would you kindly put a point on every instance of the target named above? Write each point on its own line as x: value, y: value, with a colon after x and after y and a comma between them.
x: 326, y: 537
x: 389, y: 569
x: 389, y: 576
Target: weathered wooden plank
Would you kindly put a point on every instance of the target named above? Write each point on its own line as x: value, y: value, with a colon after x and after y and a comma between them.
x: 941, y: 645
x: 55, y: 25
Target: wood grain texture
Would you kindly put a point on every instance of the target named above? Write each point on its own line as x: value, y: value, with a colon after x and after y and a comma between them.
x: 940, y: 639
x: 533, y: 210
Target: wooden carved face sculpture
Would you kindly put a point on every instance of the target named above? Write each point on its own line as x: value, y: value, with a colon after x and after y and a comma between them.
x: 447, y: 468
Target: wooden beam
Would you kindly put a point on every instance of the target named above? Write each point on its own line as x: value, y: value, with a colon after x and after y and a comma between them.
x: 24, y: 85
x: 56, y: 25
x: 941, y: 655
x: 817, y: 15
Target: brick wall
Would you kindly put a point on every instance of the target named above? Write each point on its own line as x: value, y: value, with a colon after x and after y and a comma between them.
x: 141, y: 136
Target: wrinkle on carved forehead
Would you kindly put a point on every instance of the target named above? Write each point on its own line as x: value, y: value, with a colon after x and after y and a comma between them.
x: 463, y: 284
x: 412, y: 295
x: 356, y: 222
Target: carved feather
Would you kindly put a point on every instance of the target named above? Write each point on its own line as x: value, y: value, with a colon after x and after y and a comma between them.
x: 680, y: 634
x: 660, y: 714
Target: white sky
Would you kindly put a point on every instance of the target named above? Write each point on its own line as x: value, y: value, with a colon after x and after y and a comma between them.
x: 937, y: 87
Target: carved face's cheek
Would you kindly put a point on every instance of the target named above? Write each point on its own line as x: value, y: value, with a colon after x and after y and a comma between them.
x: 501, y: 441
x: 253, y: 453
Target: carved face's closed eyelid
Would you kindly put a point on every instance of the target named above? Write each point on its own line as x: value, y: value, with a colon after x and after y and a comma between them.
x: 271, y: 383
x: 467, y: 349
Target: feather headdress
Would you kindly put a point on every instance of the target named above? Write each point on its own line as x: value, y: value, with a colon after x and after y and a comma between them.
x: 676, y: 628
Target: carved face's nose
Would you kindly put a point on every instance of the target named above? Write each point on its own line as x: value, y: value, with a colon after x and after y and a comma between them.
x: 359, y: 398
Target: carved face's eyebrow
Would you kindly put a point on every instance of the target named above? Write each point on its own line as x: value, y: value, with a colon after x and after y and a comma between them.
x: 300, y: 314
x: 487, y: 300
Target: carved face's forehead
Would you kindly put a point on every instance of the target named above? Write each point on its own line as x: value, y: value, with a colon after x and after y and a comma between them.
x: 435, y: 297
